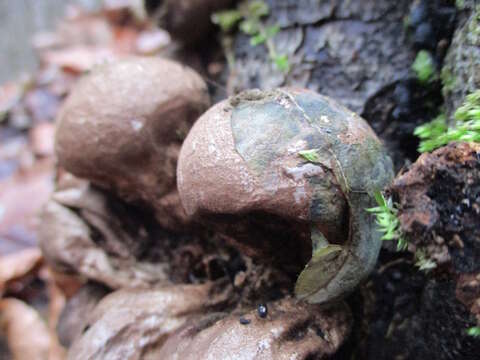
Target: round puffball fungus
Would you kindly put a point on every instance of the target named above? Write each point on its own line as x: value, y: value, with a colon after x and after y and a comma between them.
x: 287, y: 174
x: 122, y: 128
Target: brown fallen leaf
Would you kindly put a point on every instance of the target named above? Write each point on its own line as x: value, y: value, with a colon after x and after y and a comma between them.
x: 21, y: 198
x: 42, y: 139
x: 81, y: 28
x: 289, y: 330
x: 18, y: 264
x: 125, y: 40
x: 41, y: 104
x: 150, y: 42
x: 67, y: 241
x: 55, y: 306
x: 72, y: 319
x: 26, y: 333
x: 134, y: 323
x: 78, y: 59
x: 10, y: 94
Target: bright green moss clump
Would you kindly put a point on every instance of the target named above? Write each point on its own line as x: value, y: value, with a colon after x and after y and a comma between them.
x: 424, y: 67
x: 467, y: 126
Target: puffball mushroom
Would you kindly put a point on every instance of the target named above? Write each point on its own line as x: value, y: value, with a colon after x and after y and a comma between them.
x: 122, y: 127
x: 287, y: 174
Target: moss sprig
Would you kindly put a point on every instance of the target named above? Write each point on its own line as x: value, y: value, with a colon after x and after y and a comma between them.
x: 387, y: 220
x: 424, y: 67
x: 466, y: 128
x: 474, y: 331
x: 248, y: 18
x: 423, y: 262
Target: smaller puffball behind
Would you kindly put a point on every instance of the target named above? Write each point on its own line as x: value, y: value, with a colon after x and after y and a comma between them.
x: 122, y: 127
x: 287, y: 175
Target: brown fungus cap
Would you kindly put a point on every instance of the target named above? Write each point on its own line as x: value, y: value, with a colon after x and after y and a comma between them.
x: 122, y: 127
x: 288, y: 174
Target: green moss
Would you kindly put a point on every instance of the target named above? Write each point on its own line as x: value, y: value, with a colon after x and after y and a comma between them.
x: 424, y: 67
x: 387, y: 220
x: 448, y: 81
x: 473, y: 34
x: 474, y: 331
x: 310, y: 155
x: 431, y: 134
x: 466, y: 128
x: 227, y: 20
x: 423, y: 262
x: 248, y: 18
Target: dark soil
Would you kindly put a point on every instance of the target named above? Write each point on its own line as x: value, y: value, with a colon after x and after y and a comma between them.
x: 440, y: 213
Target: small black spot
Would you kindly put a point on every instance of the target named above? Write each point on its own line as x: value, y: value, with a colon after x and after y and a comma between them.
x: 262, y: 311
x: 244, y: 321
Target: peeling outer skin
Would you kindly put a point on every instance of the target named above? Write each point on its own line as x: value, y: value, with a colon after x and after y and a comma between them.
x: 291, y: 330
x: 187, y: 20
x: 241, y: 158
x: 67, y: 242
x: 122, y: 127
x: 134, y: 323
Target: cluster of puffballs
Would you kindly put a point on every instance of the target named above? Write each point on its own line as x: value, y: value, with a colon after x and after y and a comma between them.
x: 284, y: 175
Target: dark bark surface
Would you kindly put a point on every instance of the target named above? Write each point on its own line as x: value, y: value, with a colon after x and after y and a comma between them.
x: 461, y: 72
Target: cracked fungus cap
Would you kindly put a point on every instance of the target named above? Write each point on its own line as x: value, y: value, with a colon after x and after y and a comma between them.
x: 287, y: 174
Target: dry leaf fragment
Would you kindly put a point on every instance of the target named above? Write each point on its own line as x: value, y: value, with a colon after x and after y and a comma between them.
x: 27, y: 334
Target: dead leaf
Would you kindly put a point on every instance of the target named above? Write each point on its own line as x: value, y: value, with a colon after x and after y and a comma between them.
x: 10, y: 94
x: 78, y: 59
x: 18, y: 264
x: 21, y: 198
x: 41, y: 104
x: 27, y: 334
x: 69, y: 284
x: 125, y: 40
x: 85, y: 29
x: 42, y: 139
x: 150, y: 42
x: 56, y: 304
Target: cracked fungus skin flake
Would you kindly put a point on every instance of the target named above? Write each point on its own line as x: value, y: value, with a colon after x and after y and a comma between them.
x: 289, y: 174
